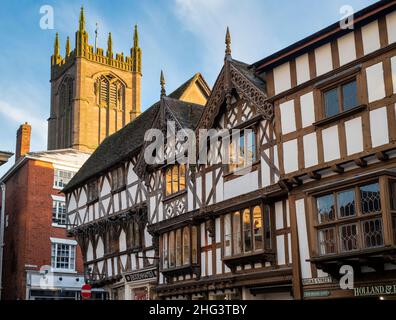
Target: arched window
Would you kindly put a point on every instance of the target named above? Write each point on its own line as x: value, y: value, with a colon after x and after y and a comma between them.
x: 186, y: 245
x: 172, y: 256
x: 194, y: 244
x: 178, y: 248
x: 110, y: 97
x: 65, y: 113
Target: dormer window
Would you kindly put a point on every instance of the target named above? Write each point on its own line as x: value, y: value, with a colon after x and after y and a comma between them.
x: 117, y: 179
x: 242, y: 151
x: 93, y: 191
x: 175, y: 179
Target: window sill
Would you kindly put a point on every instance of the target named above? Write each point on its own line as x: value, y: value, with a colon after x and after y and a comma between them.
x: 339, y: 116
x: 174, y: 195
x: 249, y: 258
x: 182, y: 270
x: 55, y: 225
x: 54, y: 270
x: 241, y: 171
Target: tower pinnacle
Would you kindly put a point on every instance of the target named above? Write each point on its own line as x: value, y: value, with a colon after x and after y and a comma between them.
x: 109, y: 46
x: 162, y: 83
x: 228, y: 43
x: 67, y: 47
x: 136, y: 53
x: 82, y: 20
x: 56, y: 46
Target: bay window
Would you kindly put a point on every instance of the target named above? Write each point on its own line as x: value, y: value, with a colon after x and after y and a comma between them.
x: 350, y: 219
x: 246, y: 231
x: 179, y: 248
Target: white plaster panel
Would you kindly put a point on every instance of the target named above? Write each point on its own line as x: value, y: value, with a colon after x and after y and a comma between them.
x: 302, y: 68
x: 208, y: 184
x: 303, y: 239
x: 280, y: 248
x: 219, y: 188
x: 391, y: 26
x: 346, y: 48
x: 307, y: 109
x: 370, y: 36
x: 379, y: 127
x: 290, y: 156
x: 282, y: 78
x: 331, y: 143
x: 90, y: 252
x: 393, y: 66
x: 310, y: 150
x: 122, y: 241
x: 218, y: 261
x: 218, y: 232
x: 106, y: 189
x: 288, y: 116
x: 354, y: 135
x: 279, y: 215
x: 323, y: 59
x: 243, y: 184
x: 99, y: 249
x: 375, y: 82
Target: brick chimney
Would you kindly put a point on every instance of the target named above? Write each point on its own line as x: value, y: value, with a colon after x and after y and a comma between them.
x: 23, y: 140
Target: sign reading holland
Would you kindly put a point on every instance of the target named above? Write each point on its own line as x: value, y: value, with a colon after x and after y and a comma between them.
x: 375, y: 290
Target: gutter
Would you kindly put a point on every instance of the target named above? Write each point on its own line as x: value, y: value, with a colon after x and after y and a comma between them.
x: 2, y: 221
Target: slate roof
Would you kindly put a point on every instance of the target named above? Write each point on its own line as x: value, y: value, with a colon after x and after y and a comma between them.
x: 128, y: 140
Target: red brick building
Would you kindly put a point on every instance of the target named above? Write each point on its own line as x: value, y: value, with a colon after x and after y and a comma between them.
x: 39, y: 260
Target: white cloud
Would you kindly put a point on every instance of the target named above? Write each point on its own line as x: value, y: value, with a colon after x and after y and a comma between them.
x: 19, y: 115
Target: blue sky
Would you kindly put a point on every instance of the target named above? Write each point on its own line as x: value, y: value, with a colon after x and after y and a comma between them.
x: 179, y: 36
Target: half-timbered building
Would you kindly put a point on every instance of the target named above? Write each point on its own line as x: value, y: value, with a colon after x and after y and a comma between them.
x: 309, y: 198
x: 107, y: 201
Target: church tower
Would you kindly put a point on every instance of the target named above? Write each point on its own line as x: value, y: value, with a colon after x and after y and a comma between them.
x: 93, y: 93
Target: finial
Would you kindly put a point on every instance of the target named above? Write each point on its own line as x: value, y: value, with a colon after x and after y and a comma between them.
x: 82, y: 20
x: 56, y: 46
x: 228, y: 43
x: 67, y: 46
x: 136, y: 37
x: 162, y: 83
x: 109, y: 46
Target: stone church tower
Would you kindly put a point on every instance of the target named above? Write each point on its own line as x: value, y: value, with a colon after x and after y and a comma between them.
x: 93, y: 93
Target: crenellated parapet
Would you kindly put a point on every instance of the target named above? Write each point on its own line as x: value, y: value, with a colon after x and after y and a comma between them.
x: 83, y: 49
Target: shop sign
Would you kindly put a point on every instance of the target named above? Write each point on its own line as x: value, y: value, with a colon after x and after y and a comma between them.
x: 375, y: 290
x: 316, y: 293
x: 148, y: 274
x: 321, y: 280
